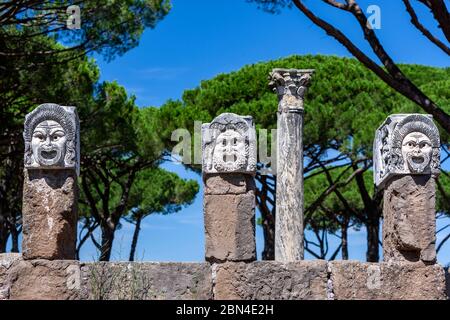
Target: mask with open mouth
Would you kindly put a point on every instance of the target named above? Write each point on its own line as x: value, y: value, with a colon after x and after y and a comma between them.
x: 51, y: 134
x: 48, y: 143
x: 416, y: 150
x: 230, y: 152
x: 229, y: 145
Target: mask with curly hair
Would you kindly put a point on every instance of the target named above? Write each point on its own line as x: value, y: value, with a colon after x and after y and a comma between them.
x: 50, y: 135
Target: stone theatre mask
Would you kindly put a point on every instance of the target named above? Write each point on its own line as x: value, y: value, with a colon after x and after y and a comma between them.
x: 406, y: 144
x: 51, y: 138
x: 416, y: 150
x: 229, y: 151
x: 229, y: 144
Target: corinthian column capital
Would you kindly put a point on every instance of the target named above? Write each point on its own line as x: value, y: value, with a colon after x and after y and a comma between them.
x: 290, y: 86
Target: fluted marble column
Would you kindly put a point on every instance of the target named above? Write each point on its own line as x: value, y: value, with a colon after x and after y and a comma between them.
x: 290, y: 85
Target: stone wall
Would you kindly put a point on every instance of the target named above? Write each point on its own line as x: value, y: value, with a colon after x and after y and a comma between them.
x: 261, y: 280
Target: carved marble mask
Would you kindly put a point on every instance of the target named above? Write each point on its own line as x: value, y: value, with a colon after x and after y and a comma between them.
x: 416, y: 151
x: 230, y: 152
x: 49, y: 143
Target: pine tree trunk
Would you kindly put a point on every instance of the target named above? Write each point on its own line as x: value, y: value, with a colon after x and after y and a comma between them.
x: 269, y: 236
x: 4, y: 234
x: 14, y: 240
x: 137, y: 229
x: 344, y: 241
x: 107, y: 243
x: 373, y: 228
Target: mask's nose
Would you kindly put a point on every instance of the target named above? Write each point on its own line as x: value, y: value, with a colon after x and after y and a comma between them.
x: 48, y: 141
x: 417, y: 149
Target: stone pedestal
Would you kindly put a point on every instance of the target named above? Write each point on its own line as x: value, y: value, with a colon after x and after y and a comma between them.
x: 229, y: 208
x: 49, y: 214
x: 409, y: 228
x: 406, y: 164
x: 229, y: 165
x: 50, y: 194
x: 290, y: 85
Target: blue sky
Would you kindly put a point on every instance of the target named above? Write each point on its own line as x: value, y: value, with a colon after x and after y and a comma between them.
x: 202, y: 38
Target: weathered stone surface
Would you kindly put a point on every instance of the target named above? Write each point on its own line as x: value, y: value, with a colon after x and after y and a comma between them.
x: 49, y: 214
x: 289, y: 192
x: 231, y: 183
x: 229, y: 144
x: 406, y: 144
x: 147, y: 281
x: 387, y: 281
x: 316, y: 279
x: 265, y: 280
x: 290, y: 86
x: 230, y: 227
x: 409, y: 226
x: 6, y: 261
x: 52, y: 138
x: 44, y: 280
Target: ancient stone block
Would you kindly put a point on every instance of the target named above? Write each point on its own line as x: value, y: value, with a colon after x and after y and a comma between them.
x: 406, y: 144
x: 229, y: 144
x: 302, y: 280
x: 49, y: 214
x: 230, y: 227
x: 409, y: 226
x: 386, y: 281
x: 146, y: 281
x: 6, y: 262
x: 263, y: 280
x: 228, y: 183
x: 44, y: 280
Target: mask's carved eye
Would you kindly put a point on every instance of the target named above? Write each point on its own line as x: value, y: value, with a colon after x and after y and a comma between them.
x: 411, y: 144
x: 235, y: 141
x: 39, y: 136
x: 224, y: 143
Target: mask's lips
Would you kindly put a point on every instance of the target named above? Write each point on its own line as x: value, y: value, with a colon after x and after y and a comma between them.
x: 48, y: 155
x: 418, y: 160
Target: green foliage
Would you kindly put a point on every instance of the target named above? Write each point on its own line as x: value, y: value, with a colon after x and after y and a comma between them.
x: 47, y: 62
x: 108, y: 27
x: 332, y: 211
x: 345, y: 99
x: 159, y: 191
x: 344, y: 106
x: 43, y: 60
x: 443, y: 196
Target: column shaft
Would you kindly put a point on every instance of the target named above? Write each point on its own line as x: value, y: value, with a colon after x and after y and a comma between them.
x: 289, y: 211
x: 290, y: 85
